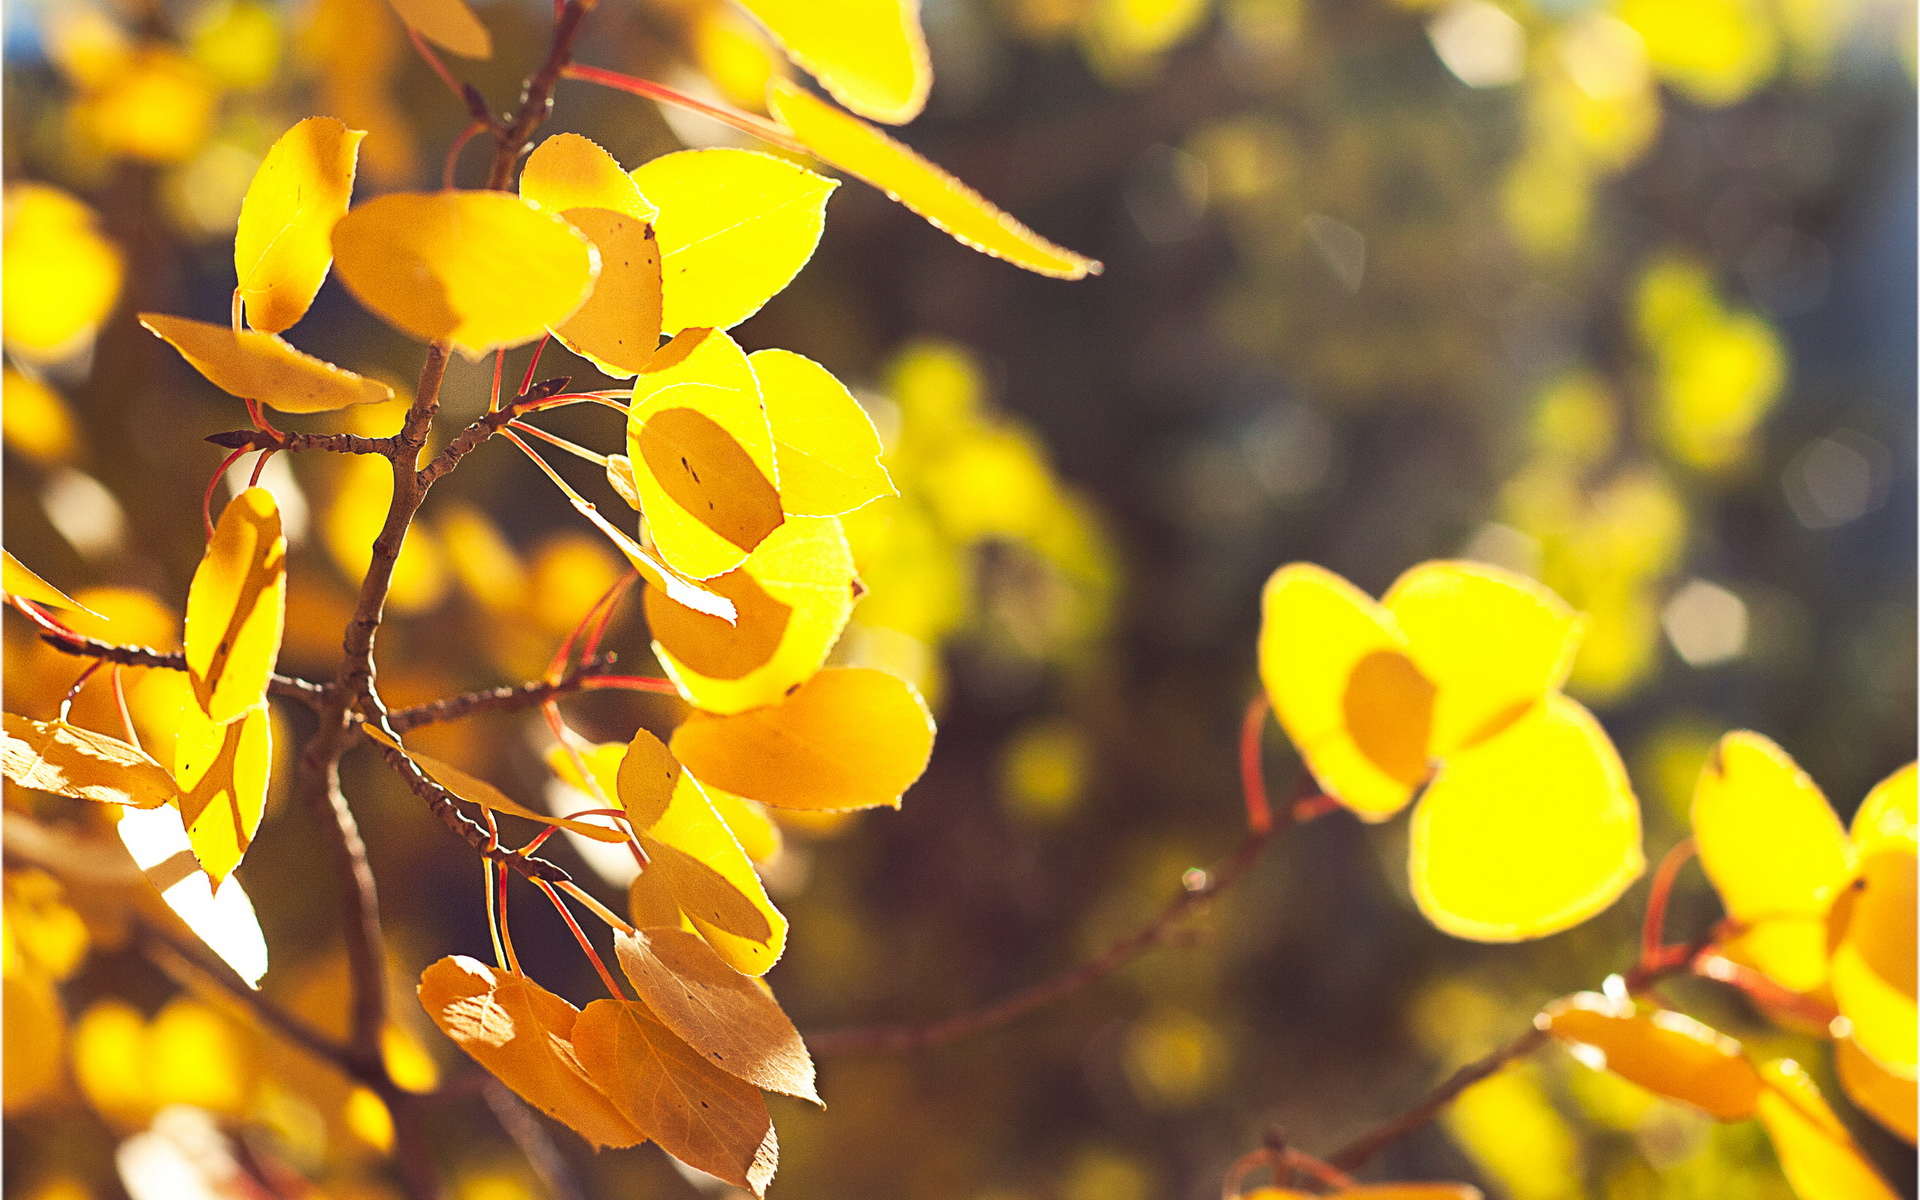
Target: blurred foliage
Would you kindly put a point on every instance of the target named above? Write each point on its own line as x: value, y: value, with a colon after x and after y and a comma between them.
x: 1619, y: 295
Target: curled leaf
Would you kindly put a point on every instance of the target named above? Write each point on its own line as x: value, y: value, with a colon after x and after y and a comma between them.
x: 237, y: 606
x: 261, y: 366
x: 948, y: 204
x: 284, y: 244
x: 66, y: 760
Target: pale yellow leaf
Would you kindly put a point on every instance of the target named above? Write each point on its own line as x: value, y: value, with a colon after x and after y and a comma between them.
x: 18, y: 580
x: 448, y: 24
x: 824, y: 444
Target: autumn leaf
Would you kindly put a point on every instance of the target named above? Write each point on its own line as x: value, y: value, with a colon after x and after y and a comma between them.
x: 263, y: 367
x: 222, y: 773
x: 849, y: 737
x: 639, y: 777
x: 735, y: 227
x: 524, y: 1035
x: 948, y: 204
x: 236, y: 607
x: 284, y: 244
x: 53, y: 756
x: 824, y: 444
x: 871, y: 55
x: 1663, y: 1051
x: 17, y: 580
x: 698, y: 1113
x: 718, y: 1011
x: 481, y: 269
x: 697, y: 868
x: 791, y: 598
x: 479, y: 791
x: 568, y: 171
x: 1886, y: 1097
x: 1816, y: 1152
x: 448, y: 24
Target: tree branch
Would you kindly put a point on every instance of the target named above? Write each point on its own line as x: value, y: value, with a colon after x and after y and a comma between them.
x: 277, y: 440
x: 501, y: 699
x: 306, y: 692
x: 445, y: 805
x: 1358, y: 1152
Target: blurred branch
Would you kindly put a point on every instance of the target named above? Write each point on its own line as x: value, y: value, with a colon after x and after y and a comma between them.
x: 1358, y: 1152
x: 549, y: 1166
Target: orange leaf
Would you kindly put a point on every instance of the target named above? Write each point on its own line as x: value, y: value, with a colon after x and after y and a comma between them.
x: 1662, y: 1051
x: 448, y: 24
x: 66, y: 760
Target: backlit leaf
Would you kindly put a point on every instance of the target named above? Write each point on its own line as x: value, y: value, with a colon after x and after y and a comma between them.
x: 849, y: 737
x: 1884, y: 1096
x: 702, y: 454
x: 523, y: 1034
x: 1491, y: 642
x: 791, y: 599
x: 824, y: 443
x: 17, y: 580
x: 568, y: 171
x: 263, y: 367
x: 618, y: 328
x: 698, y: 867
x: 284, y: 244
x: 735, y: 227
x: 52, y: 756
x: 869, y: 54
x: 222, y: 917
x: 448, y: 24
x: 482, y: 269
x: 1775, y: 852
x: 1817, y: 1154
x: 1662, y: 1051
x: 948, y: 204
x: 726, y: 1016
x: 237, y: 607
x: 1890, y: 812
x: 1336, y: 670
x: 750, y: 823
x: 479, y: 791
x: 1873, y: 966
x: 222, y: 773
x: 698, y: 1113
x: 639, y: 777
x: 1527, y: 833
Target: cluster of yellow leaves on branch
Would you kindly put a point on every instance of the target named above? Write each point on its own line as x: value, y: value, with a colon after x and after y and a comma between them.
x: 740, y: 468
x: 1446, y: 694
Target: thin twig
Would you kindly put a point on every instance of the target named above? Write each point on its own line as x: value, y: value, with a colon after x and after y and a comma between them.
x: 124, y: 655
x: 1358, y: 1152
x: 501, y: 699
x: 527, y: 1133
x: 243, y: 440
x: 1653, y: 923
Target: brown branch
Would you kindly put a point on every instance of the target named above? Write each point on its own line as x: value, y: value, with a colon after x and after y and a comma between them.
x: 536, y: 99
x: 306, y: 692
x: 1358, y: 1152
x: 1163, y: 927
x: 500, y: 699
x: 446, y: 806
x: 277, y: 440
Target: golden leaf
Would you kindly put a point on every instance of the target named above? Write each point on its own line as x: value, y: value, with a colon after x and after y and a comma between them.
x: 52, y: 756
x: 17, y: 580
x: 479, y: 791
x: 1662, y: 1051
x: 871, y: 55
x: 824, y: 444
x: 284, y: 244
x: 448, y: 24
x: 237, y: 607
x: 263, y: 367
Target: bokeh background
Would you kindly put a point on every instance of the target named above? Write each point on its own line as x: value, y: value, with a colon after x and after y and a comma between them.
x: 1620, y: 294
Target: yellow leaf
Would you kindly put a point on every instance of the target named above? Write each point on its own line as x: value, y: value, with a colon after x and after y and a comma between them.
x: 865, y: 153
x: 698, y: 1113
x: 1527, y: 833
x: 17, y: 580
x: 1491, y: 642
x: 1873, y: 966
x: 222, y: 773
x: 568, y: 171
x: 284, y: 243
x: 448, y: 24
x: 63, y: 275
x: 1775, y: 852
x: 697, y: 866
x: 702, y: 454
x: 48, y: 934
x: 749, y: 822
x: 33, y: 1067
x: 1884, y: 1096
x: 35, y: 421
x: 791, y: 599
x: 479, y: 791
x: 735, y: 227
x: 869, y: 54
x: 1818, y: 1156
x: 639, y: 777
x: 237, y: 607
x: 1336, y: 670
x: 846, y: 738
x: 52, y: 756
x: 726, y: 1016
x: 481, y: 269
x: 1889, y: 813
x: 618, y: 328
x: 1662, y: 1051
x: 523, y: 1034
x: 263, y: 367
x: 824, y: 444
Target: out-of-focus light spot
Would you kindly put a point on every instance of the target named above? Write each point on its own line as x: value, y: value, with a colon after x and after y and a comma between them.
x: 1044, y: 772
x: 1837, y: 479
x: 1104, y: 1175
x: 1289, y: 451
x: 84, y: 512
x: 1480, y: 44
x: 183, y: 1157
x: 695, y: 131
x: 1167, y: 194
x: 238, y: 44
x: 1342, y: 247
x: 1504, y: 546
x: 63, y: 275
x: 276, y: 477
x: 1174, y: 1059
x: 34, y: 419
x: 1606, y: 57
x: 1706, y: 623
x: 203, y: 195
